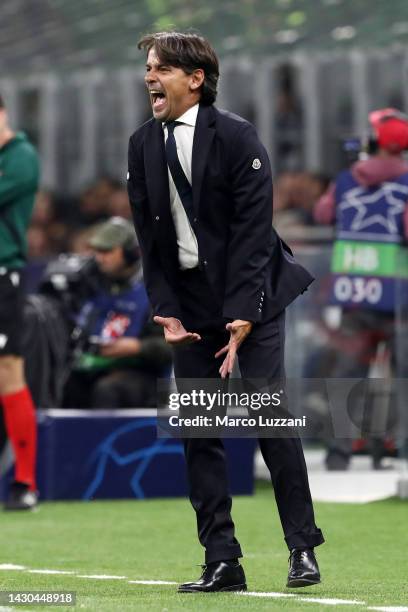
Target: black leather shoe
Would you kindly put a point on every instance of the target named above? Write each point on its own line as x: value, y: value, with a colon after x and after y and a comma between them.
x: 216, y: 577
x: 303, y: 568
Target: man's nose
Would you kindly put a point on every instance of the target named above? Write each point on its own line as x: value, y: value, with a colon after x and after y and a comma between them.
x: 149, y: 77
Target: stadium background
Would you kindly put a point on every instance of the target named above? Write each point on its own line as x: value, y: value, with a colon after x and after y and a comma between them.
x: 71, y: 73
x: 306, y: 72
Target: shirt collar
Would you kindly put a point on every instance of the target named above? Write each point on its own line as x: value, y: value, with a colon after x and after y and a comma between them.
x: 189, y: 117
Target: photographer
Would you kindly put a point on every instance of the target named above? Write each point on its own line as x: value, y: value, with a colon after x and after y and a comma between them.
x: 368, y: 205
x: 118, y: 353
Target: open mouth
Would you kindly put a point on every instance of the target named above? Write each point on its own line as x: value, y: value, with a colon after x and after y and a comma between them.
x: 158, y: 99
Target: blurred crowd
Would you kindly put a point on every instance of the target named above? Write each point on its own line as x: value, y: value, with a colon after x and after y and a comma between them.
x: 63, y: 223
x: 351, y: 337
x: 295, y: 196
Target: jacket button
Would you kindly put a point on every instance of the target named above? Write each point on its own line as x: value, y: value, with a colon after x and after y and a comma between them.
x: 205, y: 262
x: 157, y: 218
x: 195, y: 220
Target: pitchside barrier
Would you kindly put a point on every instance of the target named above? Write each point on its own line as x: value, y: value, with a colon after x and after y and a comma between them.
x: 114, y: 454
x: 103, y: 454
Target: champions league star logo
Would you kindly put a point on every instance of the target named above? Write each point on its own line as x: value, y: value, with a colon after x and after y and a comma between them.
x: 378, y: 208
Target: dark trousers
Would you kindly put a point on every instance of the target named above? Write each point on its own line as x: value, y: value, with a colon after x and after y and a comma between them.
x: 260, y: 356
x: 116, y: 389
x: 357, y: 342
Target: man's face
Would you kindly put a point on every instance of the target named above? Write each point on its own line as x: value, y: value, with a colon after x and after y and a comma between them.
x: 172, y: 91
x: 111, y: 262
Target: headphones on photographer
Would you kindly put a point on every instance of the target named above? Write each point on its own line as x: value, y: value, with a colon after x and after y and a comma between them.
x: 376, y: 119
x: 130, y: 245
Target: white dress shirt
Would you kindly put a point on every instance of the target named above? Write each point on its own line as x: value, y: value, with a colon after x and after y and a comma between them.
x: 186, y: 239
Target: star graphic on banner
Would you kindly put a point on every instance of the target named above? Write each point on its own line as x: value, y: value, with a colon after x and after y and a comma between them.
x: 364, y: 218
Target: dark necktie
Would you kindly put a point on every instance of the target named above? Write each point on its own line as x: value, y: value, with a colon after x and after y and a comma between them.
x: 180, y: 180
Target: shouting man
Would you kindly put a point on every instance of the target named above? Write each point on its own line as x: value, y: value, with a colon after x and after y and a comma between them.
x: 219, y: 279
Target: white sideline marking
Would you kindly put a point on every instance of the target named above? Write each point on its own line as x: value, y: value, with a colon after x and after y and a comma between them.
x: 150, y: 582
x: 101, y: 577
x: 49, y: 571
x: 271, y: 594
x: 328, y: 601
x: 333, y: 602
x: 389, y: 608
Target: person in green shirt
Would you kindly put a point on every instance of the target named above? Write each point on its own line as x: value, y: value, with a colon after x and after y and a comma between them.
x: 19, y: 177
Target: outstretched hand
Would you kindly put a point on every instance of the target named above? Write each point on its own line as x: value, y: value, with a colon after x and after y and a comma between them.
x: 174, y: 331
x: 239, y: 330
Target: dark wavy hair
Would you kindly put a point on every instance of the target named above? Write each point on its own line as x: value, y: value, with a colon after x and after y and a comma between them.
x: 189, y: 52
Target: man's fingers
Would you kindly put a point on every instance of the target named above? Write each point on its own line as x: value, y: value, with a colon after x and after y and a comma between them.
x: 186, y: 338
x: 238, y: 334
x: 160, y: 321
x: 174, y: 331
x: 221, y: 351
x: 191, y: 337
x: 223, y: 369
x: 231, y: 358
x: 227, y: 365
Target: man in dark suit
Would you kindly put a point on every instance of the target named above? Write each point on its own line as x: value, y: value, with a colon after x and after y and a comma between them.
x: 219, y: 279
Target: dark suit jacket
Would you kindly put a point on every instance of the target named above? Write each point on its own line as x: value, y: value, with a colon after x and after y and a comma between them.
x: 248, y: 265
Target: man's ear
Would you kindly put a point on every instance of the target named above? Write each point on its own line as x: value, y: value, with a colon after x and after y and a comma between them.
x: 196, y: 79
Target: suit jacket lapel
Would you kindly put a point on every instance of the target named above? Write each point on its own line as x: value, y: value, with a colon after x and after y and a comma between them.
x: 203, y: 136
x: 157, y: 181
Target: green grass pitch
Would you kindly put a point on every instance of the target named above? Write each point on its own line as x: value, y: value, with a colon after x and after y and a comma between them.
x: 364, y: 557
